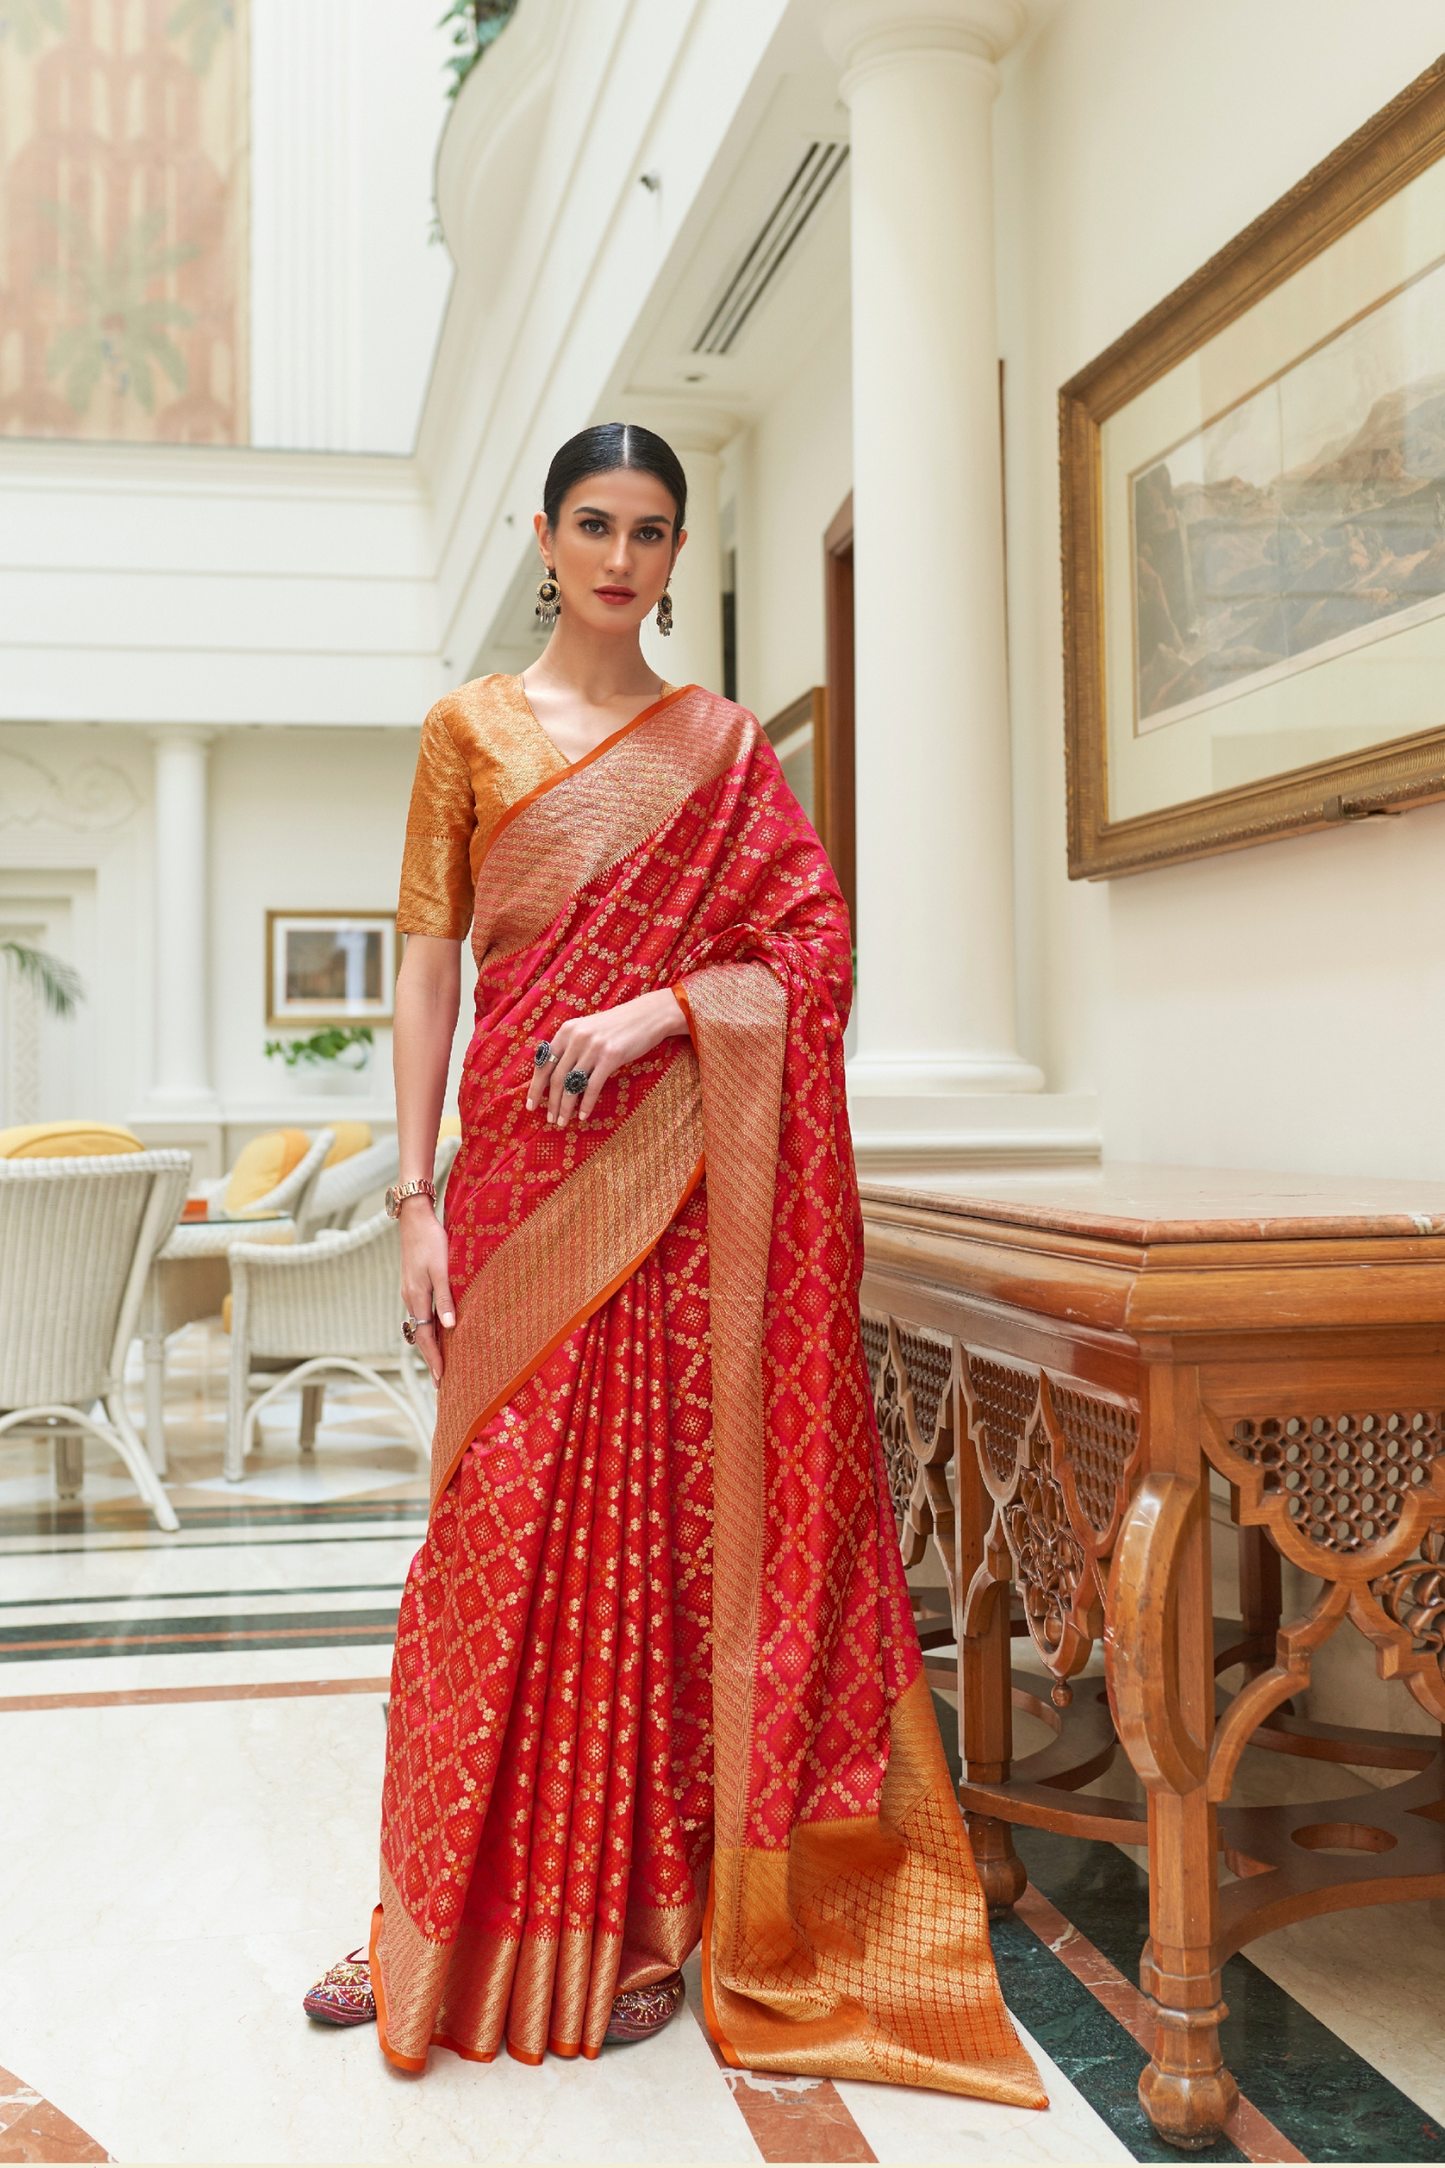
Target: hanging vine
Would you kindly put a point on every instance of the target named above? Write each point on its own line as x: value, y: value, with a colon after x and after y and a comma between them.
x: 475, y: 23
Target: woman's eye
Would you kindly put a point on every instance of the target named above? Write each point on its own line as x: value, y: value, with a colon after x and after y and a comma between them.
x: 649, y: 534
x: 594, y: 526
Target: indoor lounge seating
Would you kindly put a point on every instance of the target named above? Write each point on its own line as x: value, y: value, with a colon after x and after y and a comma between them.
x: 77, y: 1237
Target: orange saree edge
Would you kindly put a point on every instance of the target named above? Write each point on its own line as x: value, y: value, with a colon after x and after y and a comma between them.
x: 723, y: 2045
x: 519, y: 2055
x: 454, y: 2047
x: 573, y: 767
x: 588, y: 1309
x: 399, y: 2062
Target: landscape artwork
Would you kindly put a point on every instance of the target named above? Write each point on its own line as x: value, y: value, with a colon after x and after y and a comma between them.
x: 330, y: 968
x: 1306, y: 520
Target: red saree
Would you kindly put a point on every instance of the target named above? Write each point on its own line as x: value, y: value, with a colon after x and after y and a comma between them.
x: 656, y: 1676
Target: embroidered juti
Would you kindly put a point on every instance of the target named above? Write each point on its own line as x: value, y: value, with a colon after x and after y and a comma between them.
x: 656, y: 1678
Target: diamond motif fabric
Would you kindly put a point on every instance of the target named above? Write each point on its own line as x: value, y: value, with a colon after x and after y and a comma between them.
x: 658, y: 1645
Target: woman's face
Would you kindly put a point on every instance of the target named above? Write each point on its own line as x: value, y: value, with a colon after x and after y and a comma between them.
x: 613, y: 548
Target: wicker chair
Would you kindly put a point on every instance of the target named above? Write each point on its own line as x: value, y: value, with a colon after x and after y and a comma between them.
x: 339, y: 1190
x: 326, y: 1308
x: 77, y: 1237
x: 191, y: 1275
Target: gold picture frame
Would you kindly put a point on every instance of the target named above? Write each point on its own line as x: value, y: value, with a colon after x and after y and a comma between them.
x: 331, y: 967
x: 1191, y: 655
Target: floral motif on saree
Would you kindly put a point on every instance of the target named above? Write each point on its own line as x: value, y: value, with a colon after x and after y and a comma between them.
x: 656, y: 1675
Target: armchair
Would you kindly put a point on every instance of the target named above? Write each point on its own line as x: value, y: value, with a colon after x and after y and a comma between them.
x: 77, y: 1237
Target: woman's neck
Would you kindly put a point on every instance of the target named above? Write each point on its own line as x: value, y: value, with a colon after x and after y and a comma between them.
x: 595, y: 671
x: 583, y: 688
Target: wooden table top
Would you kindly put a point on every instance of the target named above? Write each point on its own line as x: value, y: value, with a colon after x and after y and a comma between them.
x: 1144, y: 1205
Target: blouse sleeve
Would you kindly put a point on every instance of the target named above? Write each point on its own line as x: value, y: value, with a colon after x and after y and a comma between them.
x: 436, y: 873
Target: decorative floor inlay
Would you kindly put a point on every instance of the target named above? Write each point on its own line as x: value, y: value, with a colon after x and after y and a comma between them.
x: 31, y: 2129
x: 238, y: 1843
x: 1325, y: 2099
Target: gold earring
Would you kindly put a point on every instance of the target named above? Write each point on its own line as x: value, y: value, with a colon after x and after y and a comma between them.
x: 549, y: 600
x: 664, y: 614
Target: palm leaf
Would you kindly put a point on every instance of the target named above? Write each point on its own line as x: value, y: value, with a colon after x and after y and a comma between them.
x: 58, y: 982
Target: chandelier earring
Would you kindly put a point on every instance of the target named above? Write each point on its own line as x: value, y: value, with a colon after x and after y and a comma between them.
x: 549, y: 600
x: 664, y: 614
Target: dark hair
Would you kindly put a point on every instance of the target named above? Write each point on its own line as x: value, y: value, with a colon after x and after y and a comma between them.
x: 602, y: 450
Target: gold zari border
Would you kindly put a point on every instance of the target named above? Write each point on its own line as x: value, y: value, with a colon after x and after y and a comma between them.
x: 566, y: 1258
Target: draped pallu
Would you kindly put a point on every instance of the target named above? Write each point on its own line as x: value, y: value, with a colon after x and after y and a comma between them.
x: 656, y: 1676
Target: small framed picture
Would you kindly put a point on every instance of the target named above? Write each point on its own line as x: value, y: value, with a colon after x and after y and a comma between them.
x: 330, y: 967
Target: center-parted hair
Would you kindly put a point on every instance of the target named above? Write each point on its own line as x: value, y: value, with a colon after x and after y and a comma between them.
x: 602, y: 450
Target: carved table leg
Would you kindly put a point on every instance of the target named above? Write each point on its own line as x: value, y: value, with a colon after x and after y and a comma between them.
x: 1158, y: 1641
x: 985, y: 1693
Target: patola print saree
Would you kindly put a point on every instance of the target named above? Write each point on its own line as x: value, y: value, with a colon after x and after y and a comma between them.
x: 656, y: 1678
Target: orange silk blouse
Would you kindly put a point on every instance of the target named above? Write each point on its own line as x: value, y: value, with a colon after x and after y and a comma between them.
x: 482, y: 749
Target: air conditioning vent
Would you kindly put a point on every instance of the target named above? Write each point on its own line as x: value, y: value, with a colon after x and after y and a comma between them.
x: 821, y: 164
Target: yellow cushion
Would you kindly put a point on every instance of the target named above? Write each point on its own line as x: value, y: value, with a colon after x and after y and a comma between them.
x: 351, y: 1138
x: 264, y: 1163
x: 451, y: 1126
x: 66, y: 1140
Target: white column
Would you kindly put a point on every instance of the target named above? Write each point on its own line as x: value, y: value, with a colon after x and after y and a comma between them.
x: 935, y: 872
x: 693, y: 654
x: 182, y: 1077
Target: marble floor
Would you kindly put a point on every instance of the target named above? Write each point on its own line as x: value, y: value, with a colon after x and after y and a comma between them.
x: 191, y: 1734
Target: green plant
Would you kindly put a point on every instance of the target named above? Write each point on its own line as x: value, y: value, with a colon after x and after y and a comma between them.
x: 119, y: 329
x: 58, y: 983
x: 323, y: 1046
x: 476, y: 23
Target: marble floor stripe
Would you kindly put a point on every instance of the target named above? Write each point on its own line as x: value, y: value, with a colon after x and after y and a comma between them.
x: 31, y: 2129
x: 1251, y: 2131
x: 788, y: 2119
x: 150, y: 1696
x: 199, y: 1595
x: 1326, y: 2098
x: 82, y: 1641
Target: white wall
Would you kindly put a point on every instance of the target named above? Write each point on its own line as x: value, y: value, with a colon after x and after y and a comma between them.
x: 347, y: 294
x: 1282, y: 1006
x: 301, y: 820
x: 75, y: 879
x: 152, y: 584
x: 794, y: 467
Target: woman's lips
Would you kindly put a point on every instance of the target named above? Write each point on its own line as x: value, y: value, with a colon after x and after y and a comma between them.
x: 616, y: 594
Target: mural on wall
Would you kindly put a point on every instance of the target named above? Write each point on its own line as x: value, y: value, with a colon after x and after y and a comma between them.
x: 124, y: 191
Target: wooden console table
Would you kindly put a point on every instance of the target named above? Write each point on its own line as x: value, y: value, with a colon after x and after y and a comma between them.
x: 1083, y: 1349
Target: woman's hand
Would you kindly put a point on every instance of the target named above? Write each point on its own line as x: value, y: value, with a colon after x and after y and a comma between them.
x: 600, y: 1045
x: 425, y: 1286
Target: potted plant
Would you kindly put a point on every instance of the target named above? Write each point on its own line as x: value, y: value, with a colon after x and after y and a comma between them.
x: 334, y: 1060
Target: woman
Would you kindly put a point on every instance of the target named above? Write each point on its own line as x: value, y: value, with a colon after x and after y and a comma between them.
x: 656, y: 1678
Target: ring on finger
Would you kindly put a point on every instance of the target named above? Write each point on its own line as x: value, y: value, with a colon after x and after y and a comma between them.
x: 575, y: 1082
x: 544, y: 1055
x: 411, y: 1326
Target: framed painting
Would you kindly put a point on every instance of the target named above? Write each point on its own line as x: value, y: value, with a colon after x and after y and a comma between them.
x: 330, y: 967
x: 1253, y: 485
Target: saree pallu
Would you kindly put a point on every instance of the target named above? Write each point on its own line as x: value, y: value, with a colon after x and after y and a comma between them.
x: 656, y: 1677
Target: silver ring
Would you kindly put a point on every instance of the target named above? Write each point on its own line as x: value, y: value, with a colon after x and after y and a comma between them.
x: 543, y: 1055
x: 411, y: 1326
x: 575, y: 1082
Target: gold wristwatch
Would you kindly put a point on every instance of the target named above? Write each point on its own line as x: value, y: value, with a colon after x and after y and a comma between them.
x: 397, y: 1195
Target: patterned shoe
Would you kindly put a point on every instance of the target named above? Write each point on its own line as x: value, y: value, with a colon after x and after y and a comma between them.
x: 645, y: 2010
x: 343, y: 1995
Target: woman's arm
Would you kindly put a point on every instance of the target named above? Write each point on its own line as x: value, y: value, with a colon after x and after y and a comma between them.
x: 428, y: 991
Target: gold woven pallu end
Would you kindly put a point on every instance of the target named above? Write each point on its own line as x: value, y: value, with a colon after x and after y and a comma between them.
x: 862, y: 1950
